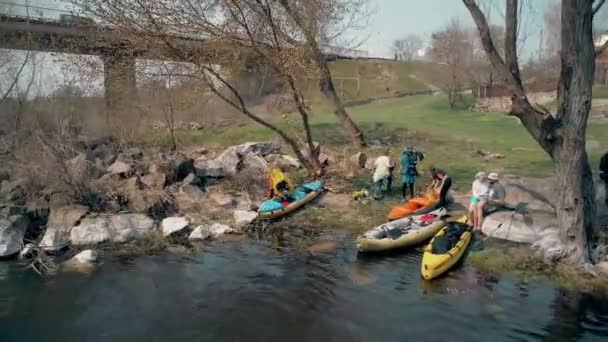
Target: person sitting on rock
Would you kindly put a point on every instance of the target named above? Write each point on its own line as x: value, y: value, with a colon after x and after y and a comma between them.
x: 480, y: 189
x: 604, y: 174
x: 495, y: 199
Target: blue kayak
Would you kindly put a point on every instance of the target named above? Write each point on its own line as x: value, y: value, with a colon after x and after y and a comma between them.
x: 301, y: 195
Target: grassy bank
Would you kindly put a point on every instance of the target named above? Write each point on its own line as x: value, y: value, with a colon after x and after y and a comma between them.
x: 600, y: 92
x: 450, y: 139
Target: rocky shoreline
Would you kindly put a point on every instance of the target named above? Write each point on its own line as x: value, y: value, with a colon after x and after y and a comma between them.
x: 117, y: 196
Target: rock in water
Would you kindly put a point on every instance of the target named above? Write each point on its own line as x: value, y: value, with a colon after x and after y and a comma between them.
x: 200, y: 233
x: 112, y: 228
x: 218, y: 229
x: 12, y: 230
x: 88, y: 255
x: 515, y: 227
x: 244, y: 218
x: 81, y: 262
x: 60, y: 223
x: 172, y: 225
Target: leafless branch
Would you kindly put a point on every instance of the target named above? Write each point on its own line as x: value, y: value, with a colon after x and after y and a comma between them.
x: 16, y: 77
x: 598, y: 6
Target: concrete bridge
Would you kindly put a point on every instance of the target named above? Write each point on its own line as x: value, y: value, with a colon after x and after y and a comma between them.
x: 81, y: 35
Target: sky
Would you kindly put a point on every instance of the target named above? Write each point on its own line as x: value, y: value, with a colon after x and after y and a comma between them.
x: 398, y: 18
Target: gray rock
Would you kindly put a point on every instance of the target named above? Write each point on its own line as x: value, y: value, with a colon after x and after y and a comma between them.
x: 81, y: 262
x: 261, y: 148
x: 515, y: 227
x: 228, y: 161
x: 121, y: 168
x: 602, y: 268
x: 83, y: 170
x: 200, y: 233
x: 222, y: 199
x: 255, y: 165
x: 218, y: 229
x: 183, y: 168
x: 244, y: 218
x: 60, y: 223
x: 154, y: 181
x: 140, y: 199
x: 192, y: 179
x: 86, y: 256
x: 358, y: 160
x: 173, y: 225
x: 12, y: 231
x: 189, y: 198
x: 112, y: 228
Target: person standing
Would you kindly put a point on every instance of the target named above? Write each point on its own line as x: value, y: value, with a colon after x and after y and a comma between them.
x: 604, y: 175
x: 381, y: 177
x: 409, y: 170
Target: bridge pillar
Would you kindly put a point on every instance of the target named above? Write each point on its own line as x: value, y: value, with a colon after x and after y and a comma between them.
x: 119, y: 79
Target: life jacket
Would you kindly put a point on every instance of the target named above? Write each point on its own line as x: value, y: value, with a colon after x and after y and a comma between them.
x: 277, y: 181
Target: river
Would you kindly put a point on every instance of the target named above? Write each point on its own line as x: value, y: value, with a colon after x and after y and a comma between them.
x: 248, y: 290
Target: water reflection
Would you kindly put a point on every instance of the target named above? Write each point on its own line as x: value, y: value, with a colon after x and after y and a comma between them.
x: 316, y: 291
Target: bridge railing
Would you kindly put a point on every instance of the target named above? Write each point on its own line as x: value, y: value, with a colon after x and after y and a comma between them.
x: 33, y: 12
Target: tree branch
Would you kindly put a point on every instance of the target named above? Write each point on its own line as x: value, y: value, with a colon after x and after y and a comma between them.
x: 16, y: 79
x: 598, y: 6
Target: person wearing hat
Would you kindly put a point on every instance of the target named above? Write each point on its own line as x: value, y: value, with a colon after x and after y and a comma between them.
x: 495, y: 200
x: 409, y: 162
x: 480, y: 189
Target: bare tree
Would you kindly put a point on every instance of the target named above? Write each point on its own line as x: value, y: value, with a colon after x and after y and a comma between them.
x: 406, y: 49
x: 561, y: 135
x: 266, y: 35
x: 452, y: 48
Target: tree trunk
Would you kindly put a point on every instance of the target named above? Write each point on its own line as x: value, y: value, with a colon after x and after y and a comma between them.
x: 576, y: 200
x: 328, y: 89
x: 561, y: 136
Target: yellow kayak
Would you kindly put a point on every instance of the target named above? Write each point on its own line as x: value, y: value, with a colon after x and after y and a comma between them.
x: 436, y: 263
x: 403, y: 233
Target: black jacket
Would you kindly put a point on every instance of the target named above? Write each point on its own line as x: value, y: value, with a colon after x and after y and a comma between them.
x: 604, y: 167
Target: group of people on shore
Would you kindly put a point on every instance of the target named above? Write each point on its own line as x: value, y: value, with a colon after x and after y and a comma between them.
x: 382, y: 177
x: 488, y: 194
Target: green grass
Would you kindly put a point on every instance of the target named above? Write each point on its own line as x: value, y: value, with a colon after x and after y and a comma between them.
x: 600, y: 92
x: 376, y: 78
x: 449, y: 139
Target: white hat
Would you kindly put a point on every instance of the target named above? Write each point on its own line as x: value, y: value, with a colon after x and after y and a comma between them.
x: 493, y: 176
x: 481, y: 174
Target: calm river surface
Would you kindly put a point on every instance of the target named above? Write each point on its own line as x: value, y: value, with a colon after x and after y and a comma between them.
x: 247, y: 291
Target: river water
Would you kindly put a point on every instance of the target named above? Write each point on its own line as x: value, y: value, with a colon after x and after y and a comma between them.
x: 248, y: 290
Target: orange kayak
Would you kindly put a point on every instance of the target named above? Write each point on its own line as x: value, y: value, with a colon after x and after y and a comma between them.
x: 412, y: 207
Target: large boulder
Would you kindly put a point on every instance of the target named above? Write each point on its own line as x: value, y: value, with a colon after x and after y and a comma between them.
x: 112, y: 228
x: 154, y: 181
x: 82, y: 170
x: 255, y: 165
x: 174, y: 225
x: 121, y: 167
x: 183, y: 168
x: 227, y: 163
x: 141, y: 199
x: 60, y: 223
x: 524, y: 228
x: 358, y: 160
x: 244, y: 218
x: 200, y: 233
x: 12, y: 231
